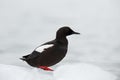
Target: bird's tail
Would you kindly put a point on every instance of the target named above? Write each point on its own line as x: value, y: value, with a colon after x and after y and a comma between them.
x: 24, y: 58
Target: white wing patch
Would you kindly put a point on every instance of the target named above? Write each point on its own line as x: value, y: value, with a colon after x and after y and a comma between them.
x: 43, y: 47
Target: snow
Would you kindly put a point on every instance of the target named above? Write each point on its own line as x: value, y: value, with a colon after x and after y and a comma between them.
x: 82, y: 71
x: 10, y: 72
x: 78, y: 71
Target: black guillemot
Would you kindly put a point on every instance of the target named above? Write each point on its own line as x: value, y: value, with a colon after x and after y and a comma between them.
x: 52, y: 52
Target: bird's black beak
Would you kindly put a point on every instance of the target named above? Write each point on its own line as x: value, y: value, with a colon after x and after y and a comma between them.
x: 76, y: 33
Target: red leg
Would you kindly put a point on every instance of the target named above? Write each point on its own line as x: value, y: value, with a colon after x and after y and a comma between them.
x: 45, y: 68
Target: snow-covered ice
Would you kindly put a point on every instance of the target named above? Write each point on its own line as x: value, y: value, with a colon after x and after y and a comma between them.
x: 10, y: 72
x: 79, y: 71
x: 82, y: 71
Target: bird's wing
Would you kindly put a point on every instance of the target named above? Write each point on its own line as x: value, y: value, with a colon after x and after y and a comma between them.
x: 42, y: 48
x: 38, y: 51
x: 33, y: 55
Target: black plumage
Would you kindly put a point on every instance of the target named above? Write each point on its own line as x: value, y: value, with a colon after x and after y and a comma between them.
x: 53, y: 51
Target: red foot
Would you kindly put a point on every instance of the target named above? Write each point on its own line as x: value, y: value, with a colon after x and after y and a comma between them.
x: 45, y: 68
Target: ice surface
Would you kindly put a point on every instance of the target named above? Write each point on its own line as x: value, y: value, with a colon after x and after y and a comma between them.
x: 82, y: 71
x: 79, y: 71
x: 10, y: 72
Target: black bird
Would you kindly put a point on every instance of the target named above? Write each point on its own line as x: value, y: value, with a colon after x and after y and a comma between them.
x: 52, y: 52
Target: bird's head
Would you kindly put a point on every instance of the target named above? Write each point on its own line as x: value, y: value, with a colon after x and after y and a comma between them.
x: 65, y: 31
